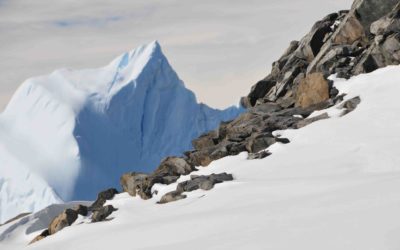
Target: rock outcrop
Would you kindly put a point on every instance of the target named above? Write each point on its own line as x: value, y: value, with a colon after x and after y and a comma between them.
x: 346, y: 43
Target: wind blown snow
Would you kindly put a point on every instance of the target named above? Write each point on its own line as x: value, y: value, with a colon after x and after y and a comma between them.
x: 335, y: 186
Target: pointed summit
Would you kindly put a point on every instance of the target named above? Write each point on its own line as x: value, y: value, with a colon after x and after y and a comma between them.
x: 81, y: 130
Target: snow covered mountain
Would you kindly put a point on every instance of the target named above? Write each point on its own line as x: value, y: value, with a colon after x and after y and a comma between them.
x: 335, y: 186
x: 78, y: 131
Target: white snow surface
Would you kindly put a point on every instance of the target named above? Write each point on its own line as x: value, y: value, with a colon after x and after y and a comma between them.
x: 335, y: 186
x: 77, y: 132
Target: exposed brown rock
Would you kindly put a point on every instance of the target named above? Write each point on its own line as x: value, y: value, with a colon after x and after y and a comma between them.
x: 351, y: 31
x: 312, y: 90
x: 64, y: 219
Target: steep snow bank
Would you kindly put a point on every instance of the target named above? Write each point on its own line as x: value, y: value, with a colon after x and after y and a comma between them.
x: 80, y: 130
x: 335, y: 186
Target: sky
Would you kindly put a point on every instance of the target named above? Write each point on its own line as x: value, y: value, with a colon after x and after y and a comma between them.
x: 219, y: 48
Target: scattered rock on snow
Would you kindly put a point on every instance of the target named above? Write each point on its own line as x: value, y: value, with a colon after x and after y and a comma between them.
x: 171, y: 196
x: 102, y: 213
x: 205, y: 182
x: 350, y: 105
x: 308, y: 121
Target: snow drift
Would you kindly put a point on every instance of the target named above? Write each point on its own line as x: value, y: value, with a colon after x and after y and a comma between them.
x: 78, y: 131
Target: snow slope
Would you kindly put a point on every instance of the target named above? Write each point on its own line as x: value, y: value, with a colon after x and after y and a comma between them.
x: 79, y: 131
x: 335, y: 186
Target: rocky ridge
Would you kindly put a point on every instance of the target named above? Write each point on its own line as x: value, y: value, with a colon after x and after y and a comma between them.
x: 346, y: 43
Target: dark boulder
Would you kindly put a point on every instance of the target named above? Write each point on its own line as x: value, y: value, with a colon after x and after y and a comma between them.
x: 258, y: 142
x: 81, y: 209
x: 102, y: 197
x: 102, y: 213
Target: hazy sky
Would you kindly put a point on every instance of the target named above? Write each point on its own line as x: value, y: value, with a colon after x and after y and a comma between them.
x: 219, y: 48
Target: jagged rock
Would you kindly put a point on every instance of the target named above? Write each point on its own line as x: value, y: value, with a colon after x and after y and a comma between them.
x: 388, y: 24
x: 41, y: 236
x: 259, y: 90
x: 312, y: 90
x: 63, y: 220
x: 81, y: 210
x: 205, y: 182
x: 379, y: 55
x: 350, y: 105
x: 171, y: 196
x: 102, y: 197
x: 102, y: 213
x: 369, y: 11
x: 350, y: 31
x: 258, y: 155
x: 308, y: 121
x: 338, y: 59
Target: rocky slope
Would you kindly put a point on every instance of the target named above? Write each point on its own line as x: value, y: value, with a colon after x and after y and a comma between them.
x: 347, y: 43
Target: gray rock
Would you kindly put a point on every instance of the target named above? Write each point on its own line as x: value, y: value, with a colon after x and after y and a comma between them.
x: 308, y: 121
x: 102, y: 213
x: 350, y: 105
x: 171, y: 196
x: 259, y: 142
x: 259, y: 155
x: 205, y: 182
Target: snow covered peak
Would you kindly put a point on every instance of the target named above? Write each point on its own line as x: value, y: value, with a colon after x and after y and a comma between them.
x: 79, y: 130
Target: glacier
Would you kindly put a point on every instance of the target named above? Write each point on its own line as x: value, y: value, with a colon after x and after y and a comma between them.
x: 77, y: 131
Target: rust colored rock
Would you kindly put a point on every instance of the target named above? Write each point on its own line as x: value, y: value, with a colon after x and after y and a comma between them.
x: 312, y: 90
